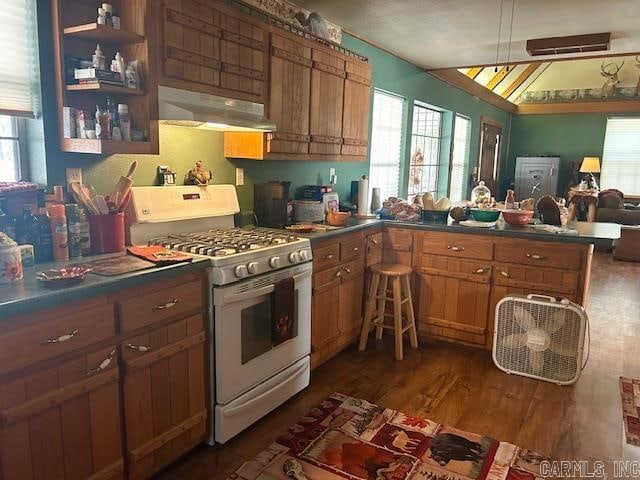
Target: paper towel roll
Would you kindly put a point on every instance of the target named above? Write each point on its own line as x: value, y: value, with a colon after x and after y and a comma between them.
x: 363, y: 196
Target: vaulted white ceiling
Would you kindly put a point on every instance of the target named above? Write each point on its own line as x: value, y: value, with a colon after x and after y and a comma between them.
x: 457, y: 33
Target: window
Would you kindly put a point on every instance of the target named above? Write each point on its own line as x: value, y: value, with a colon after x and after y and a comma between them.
x: 621, y: 156
x: 425, y: 151
x: 9, y: 149
x: 386, y: 143
x: 461, y: 135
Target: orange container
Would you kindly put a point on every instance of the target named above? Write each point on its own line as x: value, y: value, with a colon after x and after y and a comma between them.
x: 59, y: 233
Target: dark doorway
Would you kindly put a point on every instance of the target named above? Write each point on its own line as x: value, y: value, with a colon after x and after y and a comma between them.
x: 488, y: 167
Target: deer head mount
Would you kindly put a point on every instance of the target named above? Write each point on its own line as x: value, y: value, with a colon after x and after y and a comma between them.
x: 609, y: 87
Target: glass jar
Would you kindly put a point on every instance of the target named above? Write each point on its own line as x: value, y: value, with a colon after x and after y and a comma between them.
x: 481, y: 195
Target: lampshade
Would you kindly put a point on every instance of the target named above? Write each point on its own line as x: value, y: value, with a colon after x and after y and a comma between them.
x: 590, y: 165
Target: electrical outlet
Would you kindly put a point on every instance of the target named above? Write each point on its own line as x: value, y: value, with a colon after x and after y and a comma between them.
x: 239, y: 177
x: 74, y: 175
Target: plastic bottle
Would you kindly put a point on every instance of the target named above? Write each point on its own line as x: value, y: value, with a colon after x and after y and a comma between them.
x: 85, y: 233
x: 125, y: 121
x: 45, y: 252
x: 115, y: 19
x: 112, y: 115
x: 99, y: 115
x: 73, y: 230
x: 98, y: 60
x: 59, y: 232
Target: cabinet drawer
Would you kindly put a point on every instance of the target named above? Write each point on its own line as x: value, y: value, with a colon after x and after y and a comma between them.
x: 326, y: 257
x: 352, y: 269
x: 326, y: 276
x: 543, y: 254
x: 351, y: 249
x: 153, y: 307
x: 26, y: 346
x: 471, y: 270
x: 535, y: 279
x: 462, y: 246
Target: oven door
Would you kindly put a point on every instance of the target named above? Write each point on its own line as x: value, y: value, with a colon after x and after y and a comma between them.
x: 244, y: 352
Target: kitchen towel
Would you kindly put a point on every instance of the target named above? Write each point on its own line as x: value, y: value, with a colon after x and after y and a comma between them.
x: 282, y: 311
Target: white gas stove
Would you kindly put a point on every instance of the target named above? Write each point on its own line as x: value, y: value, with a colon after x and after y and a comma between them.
x: 252, y: 372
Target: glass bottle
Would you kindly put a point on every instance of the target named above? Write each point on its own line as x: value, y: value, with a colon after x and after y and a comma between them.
x: 481, y: 195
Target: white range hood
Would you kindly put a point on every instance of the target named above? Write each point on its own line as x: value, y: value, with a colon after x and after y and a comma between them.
x: 200, y: 110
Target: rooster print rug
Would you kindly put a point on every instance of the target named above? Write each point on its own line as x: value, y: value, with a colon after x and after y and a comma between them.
x: 349, y: 438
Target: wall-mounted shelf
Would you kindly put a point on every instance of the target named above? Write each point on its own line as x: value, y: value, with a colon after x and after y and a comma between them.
x: 102, y: 33
x: 103, y: 88
x: 104, y: 147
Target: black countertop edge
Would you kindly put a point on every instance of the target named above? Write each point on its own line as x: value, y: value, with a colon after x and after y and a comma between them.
x: 605, y: 234
x: 28, y: 295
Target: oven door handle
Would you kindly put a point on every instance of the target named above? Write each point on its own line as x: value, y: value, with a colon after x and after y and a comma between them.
x: 240, y: 408
x: 238, y: 297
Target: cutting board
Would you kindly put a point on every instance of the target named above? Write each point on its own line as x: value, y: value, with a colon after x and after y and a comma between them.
x: 117, y: 265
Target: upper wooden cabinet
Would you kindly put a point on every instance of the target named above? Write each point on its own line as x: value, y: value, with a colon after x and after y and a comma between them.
x: 289, y: 95
x: 355, y: 119
x: 318, y: 98
x: 211, y: 48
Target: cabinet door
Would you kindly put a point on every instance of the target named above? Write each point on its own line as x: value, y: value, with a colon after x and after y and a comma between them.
x: 324, y: 321
x: 350, y: 304
x: 64, y: 421
x: 243, y: 56
x: 164, y: 394
x: 191, y: 50
x: 355, y: 123
x: 289, y: 95
x: 213, y: 50
x: 453, y: 308
x: 373, y: 249
x: 327, y: 91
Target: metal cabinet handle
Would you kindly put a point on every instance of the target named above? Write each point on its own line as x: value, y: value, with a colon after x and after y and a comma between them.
x: 103, y: 365
x: 455, y: 248
x: 60, y: 339
x: 338, y: 274
x: 169, y: 304
x: 535, y: 256
x: 479, y: 270
x: 346, y: 269
x: 374, y: 241
x: 138, y: 348
x: 355, y: 249
x: 504, y: 274
x: 327, y: 257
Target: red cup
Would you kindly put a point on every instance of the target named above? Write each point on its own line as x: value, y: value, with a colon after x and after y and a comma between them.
x: 107, y: 233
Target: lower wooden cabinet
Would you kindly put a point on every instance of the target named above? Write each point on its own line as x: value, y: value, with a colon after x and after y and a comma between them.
x: 95, y: 385
x: 164, y: 394
x: 325, y: 313
x: 350, y: 300
x: 63, y: 422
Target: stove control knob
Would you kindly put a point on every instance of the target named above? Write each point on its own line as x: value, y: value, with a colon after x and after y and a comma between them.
x: 274, y: 262
x: 304, y: 255
x: 294, y: 257
x: 241, y: 271
x: 252, y: 267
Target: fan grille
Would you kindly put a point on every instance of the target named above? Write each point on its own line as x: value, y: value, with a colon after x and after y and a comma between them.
x: 545, y: 330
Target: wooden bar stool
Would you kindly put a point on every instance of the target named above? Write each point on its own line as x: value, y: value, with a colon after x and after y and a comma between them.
x: 401, y: 297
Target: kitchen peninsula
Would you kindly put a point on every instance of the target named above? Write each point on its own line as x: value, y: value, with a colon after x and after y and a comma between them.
x: 459, y: 274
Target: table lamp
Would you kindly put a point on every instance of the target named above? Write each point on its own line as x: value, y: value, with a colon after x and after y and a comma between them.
x: 591, y: 165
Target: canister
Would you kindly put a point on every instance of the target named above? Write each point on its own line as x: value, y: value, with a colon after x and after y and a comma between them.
x: 10, y: 260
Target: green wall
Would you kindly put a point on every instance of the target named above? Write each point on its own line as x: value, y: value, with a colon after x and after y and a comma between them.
x: 569, y: 136
x: 180, y: 148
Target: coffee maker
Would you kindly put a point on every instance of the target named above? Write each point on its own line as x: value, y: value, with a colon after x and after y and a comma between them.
x: 271, y: 204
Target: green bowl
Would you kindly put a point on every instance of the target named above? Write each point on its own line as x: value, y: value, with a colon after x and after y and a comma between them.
x: 485, y: 215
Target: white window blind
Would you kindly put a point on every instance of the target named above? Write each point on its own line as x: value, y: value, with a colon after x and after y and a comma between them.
x: 621, y: 156
x: 461, y: 135
x: 19, y: 80
x: 426, y: 134
x: 9, y: 149
x: 386, y: 143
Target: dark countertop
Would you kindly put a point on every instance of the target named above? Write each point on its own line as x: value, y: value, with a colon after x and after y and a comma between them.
x: 603, y: 234
x: 30, y: 295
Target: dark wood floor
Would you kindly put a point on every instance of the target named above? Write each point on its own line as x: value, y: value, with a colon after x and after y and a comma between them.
x: 461, y: 387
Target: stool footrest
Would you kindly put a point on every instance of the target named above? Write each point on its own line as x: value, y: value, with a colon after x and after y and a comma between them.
x: 390, y: 299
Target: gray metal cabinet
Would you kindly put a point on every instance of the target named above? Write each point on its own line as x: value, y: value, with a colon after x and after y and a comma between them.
x: 536, y: 177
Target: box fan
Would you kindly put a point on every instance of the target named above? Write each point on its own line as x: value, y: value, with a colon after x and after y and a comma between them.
x: 540, y: 337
